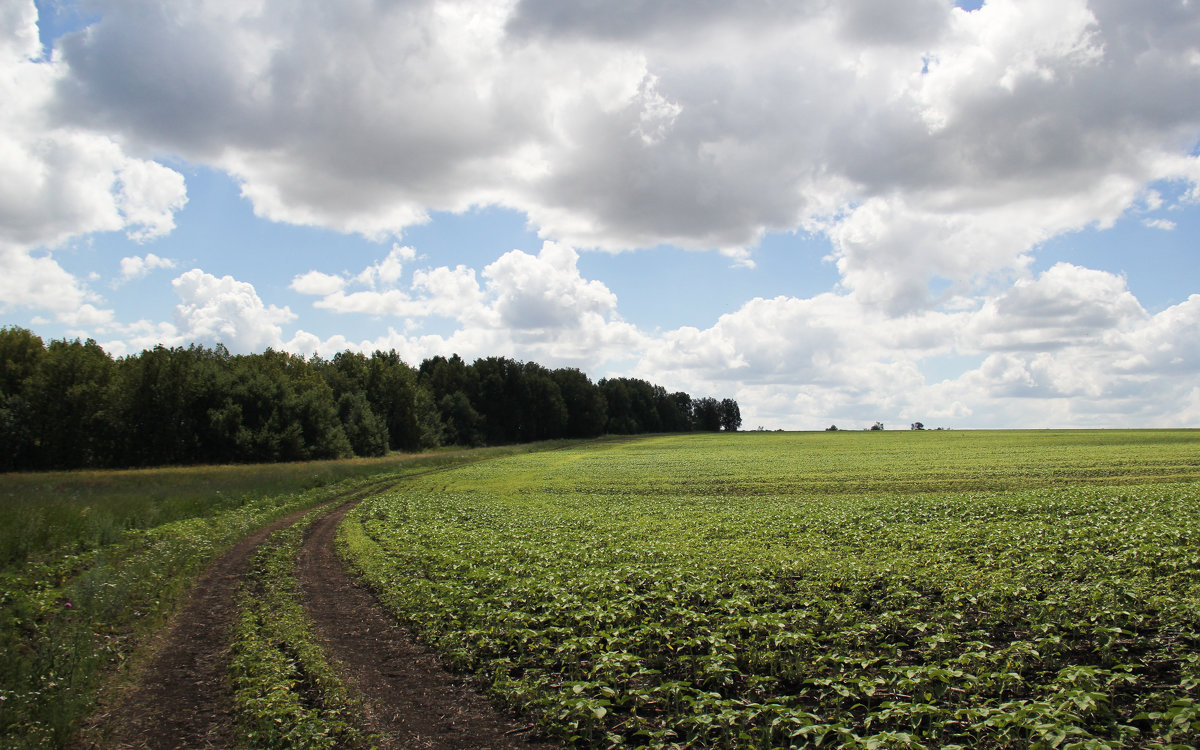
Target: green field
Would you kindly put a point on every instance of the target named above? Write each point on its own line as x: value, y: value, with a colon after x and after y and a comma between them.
x: 888, y: 589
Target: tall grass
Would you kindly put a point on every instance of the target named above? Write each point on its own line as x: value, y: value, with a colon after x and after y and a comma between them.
x: 72, y: 512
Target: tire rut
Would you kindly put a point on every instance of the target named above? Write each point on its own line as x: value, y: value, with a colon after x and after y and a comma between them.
x: 412, y: 701
x: 182, y: 698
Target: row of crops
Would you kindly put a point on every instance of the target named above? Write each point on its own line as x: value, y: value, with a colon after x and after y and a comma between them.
x: 884, y: 590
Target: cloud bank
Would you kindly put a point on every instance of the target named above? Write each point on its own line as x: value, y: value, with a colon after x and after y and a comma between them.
x: 936, y: 149
x: 925, y: 140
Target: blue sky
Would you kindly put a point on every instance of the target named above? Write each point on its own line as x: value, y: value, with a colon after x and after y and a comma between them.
x: 975, y: 216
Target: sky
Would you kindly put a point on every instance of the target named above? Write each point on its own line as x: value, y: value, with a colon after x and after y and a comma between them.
x: 982, y: 215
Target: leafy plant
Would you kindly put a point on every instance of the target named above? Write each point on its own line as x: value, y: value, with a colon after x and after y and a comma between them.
x: 814, y: 590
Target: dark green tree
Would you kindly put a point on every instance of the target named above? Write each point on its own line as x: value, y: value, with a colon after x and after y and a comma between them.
x: 432, y: 432
x: 161, y: 399
x: 69, y: 394
x: 503, y: 397
x: 707, y: 413
x: 587, y: 409
x: 366, y: 432
x: 392, y: 392
x: 621, y: 419
x: 544, y: 414
x: 462, y: 424
x: 21, y: 354
x: 675, y: 410
x: 731, y: 415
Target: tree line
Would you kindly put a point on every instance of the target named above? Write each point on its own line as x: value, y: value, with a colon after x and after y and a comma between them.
x: 69, y: 404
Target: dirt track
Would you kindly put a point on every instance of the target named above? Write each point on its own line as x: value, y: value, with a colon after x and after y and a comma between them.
x: 412, y: 701
x: 182, y: 699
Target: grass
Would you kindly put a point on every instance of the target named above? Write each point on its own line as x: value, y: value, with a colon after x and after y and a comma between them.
x: 94, y: 562
x: 953, y: 589
x: 68, y: 512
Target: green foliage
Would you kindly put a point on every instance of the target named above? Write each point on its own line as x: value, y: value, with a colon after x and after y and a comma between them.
x: 366, y: 432
x: 392, y: 391
x: 50, y: 514
x: 587, y: 409
x: 67, y: 397
x: 708, y: 414
x: 731, y: 415
x: 901, y: 589
x: 69, y: 405
x: 20, y: 356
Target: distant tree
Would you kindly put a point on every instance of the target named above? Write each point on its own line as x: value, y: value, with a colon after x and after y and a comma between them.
x: 69, y: 400
x: 16, y: 432
x: 544, y: 414
x: 643, y: 414
x: 707, y: 413
x: 444, y: 376
x: 502, y: 400
x: 831, y: 428
x: 347, y: 372
x: 731, y: 415
x: 453, y: 387
x: 431, y: 429
x: 312, y: 408
x: 877, y: 426
x: 21, y: 353
x: 463, y: 425
x: 587, y: 409
x: 619, y: 406
x: 917, y: 426
x: 69, y: 404
x: 364, y: 429
x: 392, y: 393
x: 678, y: 410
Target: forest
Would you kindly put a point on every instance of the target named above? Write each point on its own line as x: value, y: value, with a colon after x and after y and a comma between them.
x: 69, y: 404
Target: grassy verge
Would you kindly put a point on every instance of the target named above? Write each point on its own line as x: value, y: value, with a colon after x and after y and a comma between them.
x: 53, y: 514
x: 95, y: 562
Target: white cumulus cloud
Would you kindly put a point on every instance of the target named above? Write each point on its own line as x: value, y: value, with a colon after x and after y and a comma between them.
x: 135, y: 267
x: 226, y: 311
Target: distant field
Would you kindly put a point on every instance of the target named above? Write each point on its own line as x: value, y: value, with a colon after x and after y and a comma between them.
x: 889, y: 589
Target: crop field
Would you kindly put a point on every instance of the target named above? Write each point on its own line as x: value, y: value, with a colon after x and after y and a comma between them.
x: 889, y: 589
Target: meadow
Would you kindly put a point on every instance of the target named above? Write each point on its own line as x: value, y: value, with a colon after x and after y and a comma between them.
x: 887, y: 589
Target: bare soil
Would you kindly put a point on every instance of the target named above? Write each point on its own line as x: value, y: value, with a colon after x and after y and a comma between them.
x: 412, y: 701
